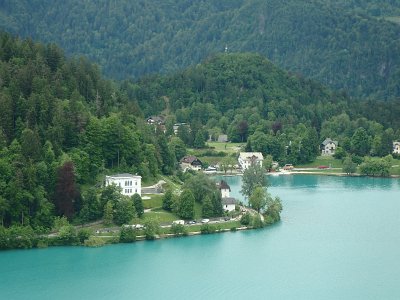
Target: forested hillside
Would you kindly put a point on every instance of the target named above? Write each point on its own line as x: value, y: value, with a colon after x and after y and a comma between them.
x: 61, y: 125
x: 375, y: 8
x: 326, y: 41
x: 277, y: 113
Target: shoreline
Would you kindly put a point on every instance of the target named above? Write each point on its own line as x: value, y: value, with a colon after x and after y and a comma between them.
x: 337, y: 174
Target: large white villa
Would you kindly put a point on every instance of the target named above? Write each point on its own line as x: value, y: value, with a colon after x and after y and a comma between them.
x: 130, y: 184
x: 246, y: 159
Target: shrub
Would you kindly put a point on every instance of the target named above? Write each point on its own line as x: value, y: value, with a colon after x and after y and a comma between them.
x: 207, y: 228
x: 127, y: 235
x: 42, y: 243
x: 83, y: 234
x: 245, y: 219
x: 257, y: 222
x: 178, y: 229
x: 94, y: 241
x: 233, y: 228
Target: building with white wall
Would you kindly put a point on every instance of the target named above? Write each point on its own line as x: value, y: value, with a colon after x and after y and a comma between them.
x: 129, y: 184
x: 396, y: 147
x: 228, y: 203
x: 246, y: 159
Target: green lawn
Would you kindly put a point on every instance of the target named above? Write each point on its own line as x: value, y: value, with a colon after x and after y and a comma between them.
x: 154, y: 202
x: 226, y: 147
x: 395, y: 170
x: 323, y: 161
x: 162, y: 216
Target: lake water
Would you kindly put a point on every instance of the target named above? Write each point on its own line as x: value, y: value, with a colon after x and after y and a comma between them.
x: 339, y: 239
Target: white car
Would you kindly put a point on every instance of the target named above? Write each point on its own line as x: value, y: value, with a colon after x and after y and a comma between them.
x: 205, y: 220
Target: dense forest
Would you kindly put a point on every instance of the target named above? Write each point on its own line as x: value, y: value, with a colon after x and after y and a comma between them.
x: 276, y: 112
x: 63, y: 126
x: 342, y: 44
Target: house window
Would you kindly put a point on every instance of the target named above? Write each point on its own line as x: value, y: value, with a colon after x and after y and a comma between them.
x: 135, y: 190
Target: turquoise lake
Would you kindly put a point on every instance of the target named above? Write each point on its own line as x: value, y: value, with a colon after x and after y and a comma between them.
x: 339, y: 238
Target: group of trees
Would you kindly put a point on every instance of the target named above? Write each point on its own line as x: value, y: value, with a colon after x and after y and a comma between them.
x: 339, y: 43
x: 199, y: 189
x: 62, y: 126
x: 254, y: 188
x: 276, y: 113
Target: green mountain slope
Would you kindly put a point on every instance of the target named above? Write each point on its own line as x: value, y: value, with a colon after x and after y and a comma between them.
x: 130, y: 38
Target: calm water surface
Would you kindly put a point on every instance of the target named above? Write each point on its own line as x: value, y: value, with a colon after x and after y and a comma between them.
x: 339, y: 239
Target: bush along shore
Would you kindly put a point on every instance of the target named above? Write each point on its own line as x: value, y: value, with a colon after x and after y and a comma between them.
x: 18, y: 237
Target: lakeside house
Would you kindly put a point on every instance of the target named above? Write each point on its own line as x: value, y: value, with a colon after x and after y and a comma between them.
x: 328, y: 147
x: 129, y: 184
x: 396, y: 147
x: 228, y: 203
x: 246, y: 159
x: 191, y: 162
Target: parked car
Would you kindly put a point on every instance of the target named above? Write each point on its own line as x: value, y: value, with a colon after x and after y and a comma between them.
x: 205, y: 220
x: 288, y: 167
x: 323, y: 167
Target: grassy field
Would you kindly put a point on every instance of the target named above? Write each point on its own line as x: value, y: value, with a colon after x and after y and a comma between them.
x: 154, y: 202
x: 323, y: 161
x: 162, y: 216
x: 226, y: 147
x: 395, y: 170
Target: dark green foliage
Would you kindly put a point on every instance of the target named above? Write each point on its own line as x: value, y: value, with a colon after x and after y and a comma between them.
x: 61, y: 125
x: 91, y: 208
x: 83, y: 235
x: 208, y: 228
x: 124, y: 211
x: 185, y: 207
x: 151, y: 228
x: 138, y: 204
x: 207, y: 208
x: 127, y: 234
x: 202, y: 186
x: 253, y: 177
x: 67, y: 235
x: 178, y: 229
x: 274, y: 209
x: 349, y: 167
x: 325, y: 40
x: 257, y: 222
x: 376, y: 167
x: 246, y: 219
x: 168, y: 200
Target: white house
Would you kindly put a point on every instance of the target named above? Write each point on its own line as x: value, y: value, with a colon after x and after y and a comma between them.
x: 228, y: 203
x: 246, y: 159
x: 328, y: 147
x: 130, y: 184
x: 396, y: 147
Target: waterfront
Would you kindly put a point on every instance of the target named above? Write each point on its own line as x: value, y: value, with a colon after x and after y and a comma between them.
x: 338, y: 239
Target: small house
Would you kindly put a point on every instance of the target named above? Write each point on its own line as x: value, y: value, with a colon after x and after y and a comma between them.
x: 328, y: 147
x: 247, y: 159
x: 156, y: 120
x: 396, y: 147
x: 129, y: 184
x: 191, y: 162
x: 228, y: 203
